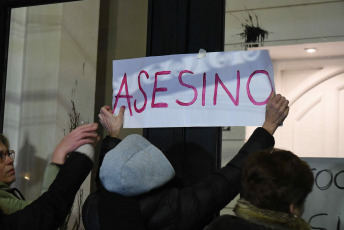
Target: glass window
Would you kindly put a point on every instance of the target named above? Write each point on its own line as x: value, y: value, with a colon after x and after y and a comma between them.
x: 306, y: 44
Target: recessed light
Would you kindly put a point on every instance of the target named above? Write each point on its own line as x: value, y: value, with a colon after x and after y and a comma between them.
x: 311, y: 50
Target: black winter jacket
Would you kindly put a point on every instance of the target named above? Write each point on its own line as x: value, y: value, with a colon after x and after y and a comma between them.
x: 186, y: 208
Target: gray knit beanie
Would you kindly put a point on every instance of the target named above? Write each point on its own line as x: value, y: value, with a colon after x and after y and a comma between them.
x: 134, y: 167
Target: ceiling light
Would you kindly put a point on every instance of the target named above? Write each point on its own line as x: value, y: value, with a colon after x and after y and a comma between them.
x: 311, y: 50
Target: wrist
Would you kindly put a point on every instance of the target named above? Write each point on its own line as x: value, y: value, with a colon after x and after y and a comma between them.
x: 86, y: 149
x: 58, y: 158
x: 271, y: 128
x: 114, y: 134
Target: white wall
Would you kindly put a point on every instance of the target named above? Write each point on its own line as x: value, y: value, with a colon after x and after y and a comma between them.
x: 288, y: 22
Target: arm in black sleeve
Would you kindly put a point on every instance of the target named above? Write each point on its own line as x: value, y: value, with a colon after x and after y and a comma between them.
x: 259, y: 140
x: 108, y: 143
x: 202, y: 200
x: 193, y: 207
x: 51, y: 208
x: 90, y: 208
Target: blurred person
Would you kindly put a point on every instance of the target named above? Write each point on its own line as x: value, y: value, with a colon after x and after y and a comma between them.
x: 49, y: 211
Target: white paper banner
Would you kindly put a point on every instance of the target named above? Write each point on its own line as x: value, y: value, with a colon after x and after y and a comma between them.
x: 219, y: 89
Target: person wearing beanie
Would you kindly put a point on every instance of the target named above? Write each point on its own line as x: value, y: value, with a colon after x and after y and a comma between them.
x: 123, y: 202
x: 135, y: 167
x: 50, y: 210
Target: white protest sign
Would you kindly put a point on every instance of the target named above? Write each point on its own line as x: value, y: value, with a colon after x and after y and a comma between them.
x: 220, y: 89
x: 324, y: 207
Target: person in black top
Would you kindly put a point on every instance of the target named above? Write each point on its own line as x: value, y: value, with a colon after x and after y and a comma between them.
x: 49, y: 211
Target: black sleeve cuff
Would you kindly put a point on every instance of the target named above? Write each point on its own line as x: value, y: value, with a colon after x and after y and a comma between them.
x: 58, y: 165
x: 259, y: 140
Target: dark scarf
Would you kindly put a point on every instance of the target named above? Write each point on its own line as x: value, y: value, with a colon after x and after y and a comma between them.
x: 268, y: 218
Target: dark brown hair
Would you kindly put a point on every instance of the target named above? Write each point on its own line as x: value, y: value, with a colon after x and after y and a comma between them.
x: 4, y: 140
x: 275, y: 179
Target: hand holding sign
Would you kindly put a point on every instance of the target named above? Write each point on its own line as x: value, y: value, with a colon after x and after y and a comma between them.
x: 277, y: 110
x: 110, y: 122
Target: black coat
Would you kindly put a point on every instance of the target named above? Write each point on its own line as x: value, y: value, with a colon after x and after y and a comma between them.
x: 49, y: 211
x: 186, y: 208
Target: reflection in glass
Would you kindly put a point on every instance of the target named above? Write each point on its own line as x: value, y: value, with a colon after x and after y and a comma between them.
x: 31, y: 91
x: 312, y: 82
x: 51, y: 70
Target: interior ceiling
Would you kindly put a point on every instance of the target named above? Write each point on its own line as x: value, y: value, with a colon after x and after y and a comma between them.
x: 326, y: 49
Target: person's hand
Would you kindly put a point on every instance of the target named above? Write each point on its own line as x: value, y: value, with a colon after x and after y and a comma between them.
x: 85, y: 134
x: 111, y: 122
x: 277, y: 110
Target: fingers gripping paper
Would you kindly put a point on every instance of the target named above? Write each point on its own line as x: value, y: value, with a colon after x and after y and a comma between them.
x: 219, y: 89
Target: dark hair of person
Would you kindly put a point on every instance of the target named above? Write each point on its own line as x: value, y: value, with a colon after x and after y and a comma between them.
x: 275, y: 179
x: 4, y: 141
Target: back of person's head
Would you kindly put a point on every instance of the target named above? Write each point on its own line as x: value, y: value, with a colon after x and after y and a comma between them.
x: 275, y: 179
x: 135, y: 167
x: 4, y: 141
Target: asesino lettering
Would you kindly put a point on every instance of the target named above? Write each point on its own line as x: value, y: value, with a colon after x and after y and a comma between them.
x: 123, y: 92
